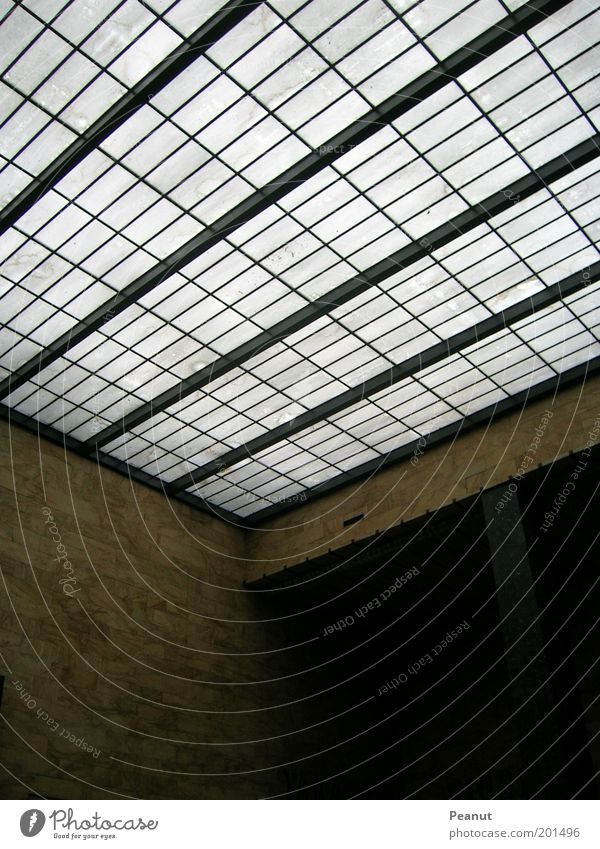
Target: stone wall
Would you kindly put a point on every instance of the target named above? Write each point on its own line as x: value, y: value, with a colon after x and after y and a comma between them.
x: 124, y: 628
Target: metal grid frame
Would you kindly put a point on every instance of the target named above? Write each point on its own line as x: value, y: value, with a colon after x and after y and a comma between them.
x: 456, y: 77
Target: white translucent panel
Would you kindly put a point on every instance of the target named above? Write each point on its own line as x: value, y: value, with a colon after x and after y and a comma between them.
x: 526, y: 216
x: 402, y: 182
x: 461, y: 113
x: 275, y: 161
x: 424, y: 17
x: 84, y: 174
x: 153, y: 150
x: 93, y: 102
x: 13, y: 181
x: 465, y: 27
x: 558, y: 142
x: 449, y: 206
x: 225, y: 129
x: 162, y: 213
x: 583, y: 355
x: 333, y: 119
x: 146, y: 52
x: 40, y: 59
x: 222, y: 199
x: 505, y: 85
x: 380, y: 51
x: 588, y: 97
x: 199, y: 185
x: 478, y: 245
x: 55, y: 326
x: 503, y: 290
x: 335, y: 196
x: 108, y: 255
x: 85, y: 241
x: 22, y: 351
x: 291, y: 253
x: 184, y: 86
x: 18, y: 30
x: 522, y: 380
x: 355, y: 28
x: 22, y: 262
x: 12, y: 304
x: 177, y: 167
x: 474, y: 164
x: 393, y: 76
x: 66, y: 82
x: 9, y: 101
x: 530, y: 102
x: 574, y: 40
x: 128, y: 134
x: 75, y: 26
x: 129, y: 269
x: 242, y: 37
x: 41, y: 212
x: 187, y: 16
x: 132, y: 203
x: 494, y: 181
x: 266, y: 135
x: 120, y: 30
x: 296, y: 73
x: 543, y: 124
x: 20, y: 128
x: 313, y: 99
x: 275, y: 50
x: 561, y: 255
x: 579, y: 70
x: 32, y: 405
x: 10, y: 240
x: 210, y: 102
x: 548, y: 234
x: 319, y: 15
x: 63, y: 226
x: 351, y: 214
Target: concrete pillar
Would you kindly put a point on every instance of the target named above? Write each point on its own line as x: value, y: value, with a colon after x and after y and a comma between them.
x: 536, y: 721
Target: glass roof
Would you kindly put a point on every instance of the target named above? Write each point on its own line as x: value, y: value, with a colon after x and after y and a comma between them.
x: 237, y: 238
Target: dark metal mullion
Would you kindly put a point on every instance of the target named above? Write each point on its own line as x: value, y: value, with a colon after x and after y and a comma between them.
x: 485, y: 416
x: 466, y: 57
x: 415, y: 364
x: 137, y: 96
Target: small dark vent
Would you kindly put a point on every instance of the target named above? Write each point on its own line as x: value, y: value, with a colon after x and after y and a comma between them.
x: 353, y: 519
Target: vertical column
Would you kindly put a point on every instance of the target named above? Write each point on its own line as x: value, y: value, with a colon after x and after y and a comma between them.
x: 536, y: 721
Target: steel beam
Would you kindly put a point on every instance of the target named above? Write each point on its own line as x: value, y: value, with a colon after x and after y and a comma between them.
x: 490, y: 41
